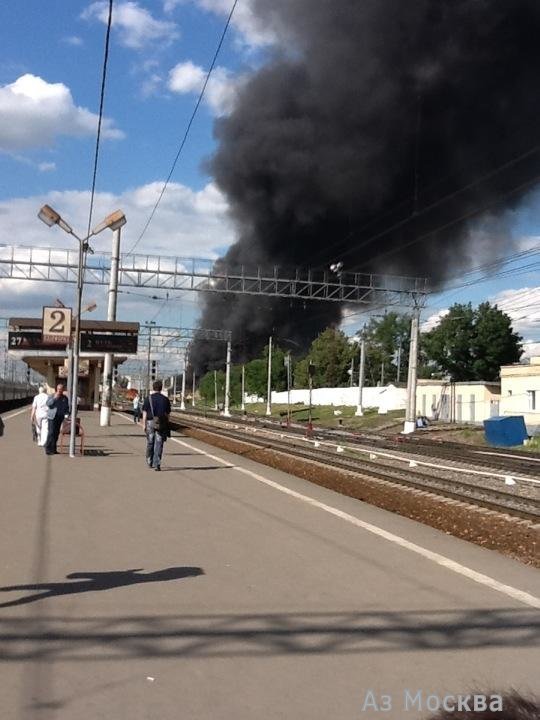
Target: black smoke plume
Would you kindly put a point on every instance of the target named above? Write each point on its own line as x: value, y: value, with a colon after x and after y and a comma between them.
x: 391, y: 135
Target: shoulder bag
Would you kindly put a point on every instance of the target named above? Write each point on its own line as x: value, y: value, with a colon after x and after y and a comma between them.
x: 161, y: 424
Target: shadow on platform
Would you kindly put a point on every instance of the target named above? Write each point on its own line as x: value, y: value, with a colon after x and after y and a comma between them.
x: 196, y: 467
x: 261, y: 635
x: 95, y: 582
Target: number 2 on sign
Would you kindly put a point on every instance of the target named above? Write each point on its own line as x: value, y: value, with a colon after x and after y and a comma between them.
x: 60, y: 322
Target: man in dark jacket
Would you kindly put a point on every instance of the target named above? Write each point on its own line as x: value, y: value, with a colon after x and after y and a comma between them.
x: 58, y: 405
x: 156, y: 406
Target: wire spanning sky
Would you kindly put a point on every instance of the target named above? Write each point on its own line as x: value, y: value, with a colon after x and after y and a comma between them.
x: 50, y: 65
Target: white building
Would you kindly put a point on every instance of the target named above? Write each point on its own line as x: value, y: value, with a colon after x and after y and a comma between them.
x: 520, y: 392
x: 462, y: 402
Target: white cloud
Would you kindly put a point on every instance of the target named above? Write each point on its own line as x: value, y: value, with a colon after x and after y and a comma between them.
x: 170, y: 5
x: 136, y: 26
x: 187, y: 223
x: 523, y: 306
x: 433, y: 320
x: 35, y: 112
x: 221, y: 90
x: 74, y: 40
x: 46, y: 166
x: 250, y: 28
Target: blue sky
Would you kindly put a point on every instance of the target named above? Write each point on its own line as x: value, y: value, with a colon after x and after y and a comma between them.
x: 50, y: 72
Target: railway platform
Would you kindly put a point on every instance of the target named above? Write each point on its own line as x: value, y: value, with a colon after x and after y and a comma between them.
x: 221, y: 588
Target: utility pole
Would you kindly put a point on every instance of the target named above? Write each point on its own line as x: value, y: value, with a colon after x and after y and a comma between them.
x: 288, y: 365
x: 183, y: 401
x: 226, y: 410
x: 311, y: 372
x: 243, y: 406
x: 148, y: 360
x: 174, y: 388
x: 410, y: 415
x: 193, y: 389
x: 269, y: 384
x: 351, y: 383
x: 215, y: 390
x: 382, y: 372
x: 359, y: 409
x: 398, y: 361
x: 106, y: 395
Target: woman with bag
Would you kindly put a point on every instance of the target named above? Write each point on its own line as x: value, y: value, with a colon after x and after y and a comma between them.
x: 156, y: 411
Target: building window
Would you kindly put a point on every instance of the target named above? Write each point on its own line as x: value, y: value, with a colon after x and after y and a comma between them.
x: 509, y: 393
x: 532, y: 399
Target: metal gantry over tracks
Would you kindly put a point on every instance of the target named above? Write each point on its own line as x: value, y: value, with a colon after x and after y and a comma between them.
x: 205, y: 275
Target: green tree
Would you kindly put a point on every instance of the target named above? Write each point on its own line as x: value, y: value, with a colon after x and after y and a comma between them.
x: 256, y: 377
x: 331, y: 354
x: 300, y: 373
x: 387, y: 339
x: 495, y: 342
x: 471, y: 344
x: 279, y: 371
x: 206, y: 387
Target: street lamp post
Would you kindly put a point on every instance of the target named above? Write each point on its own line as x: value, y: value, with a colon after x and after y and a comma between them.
x: 115, y: 221
x: 50, y: 217
x: 89, y: 308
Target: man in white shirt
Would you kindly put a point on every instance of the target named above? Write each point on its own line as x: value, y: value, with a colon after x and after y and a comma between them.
x: 39, y: 416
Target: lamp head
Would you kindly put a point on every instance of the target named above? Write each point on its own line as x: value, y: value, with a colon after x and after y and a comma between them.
x: 50, y: 217
x: 114, y: 221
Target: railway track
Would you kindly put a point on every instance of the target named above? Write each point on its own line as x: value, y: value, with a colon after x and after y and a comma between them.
x: 511, y: 462
x: 443, y: 483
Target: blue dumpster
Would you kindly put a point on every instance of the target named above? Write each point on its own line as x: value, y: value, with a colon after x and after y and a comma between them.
x: 505, y: 430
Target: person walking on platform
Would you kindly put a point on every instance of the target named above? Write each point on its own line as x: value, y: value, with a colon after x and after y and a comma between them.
x: 39, y: 415
x: 156, y: 411
x: 136, y: 408
x: 58, y: 406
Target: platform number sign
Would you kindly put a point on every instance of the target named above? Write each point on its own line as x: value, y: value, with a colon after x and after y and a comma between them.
x: 56, y: 325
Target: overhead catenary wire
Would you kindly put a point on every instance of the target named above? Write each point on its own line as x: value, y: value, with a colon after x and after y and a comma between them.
x: 465, y: 216
x: 100, y: 116
x: 416, y: 213
x: 188, y: 127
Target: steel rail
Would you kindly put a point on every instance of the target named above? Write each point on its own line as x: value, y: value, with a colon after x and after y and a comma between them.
x: 498, y: 500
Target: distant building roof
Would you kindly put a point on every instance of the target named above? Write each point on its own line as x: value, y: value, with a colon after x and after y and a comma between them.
x: 436, y: 381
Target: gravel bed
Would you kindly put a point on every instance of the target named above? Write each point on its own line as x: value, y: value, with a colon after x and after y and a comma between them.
x: 521, y: 489
x: 508, y: 535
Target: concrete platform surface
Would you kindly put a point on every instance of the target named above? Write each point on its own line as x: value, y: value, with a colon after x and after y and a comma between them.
x: 224, y: 589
